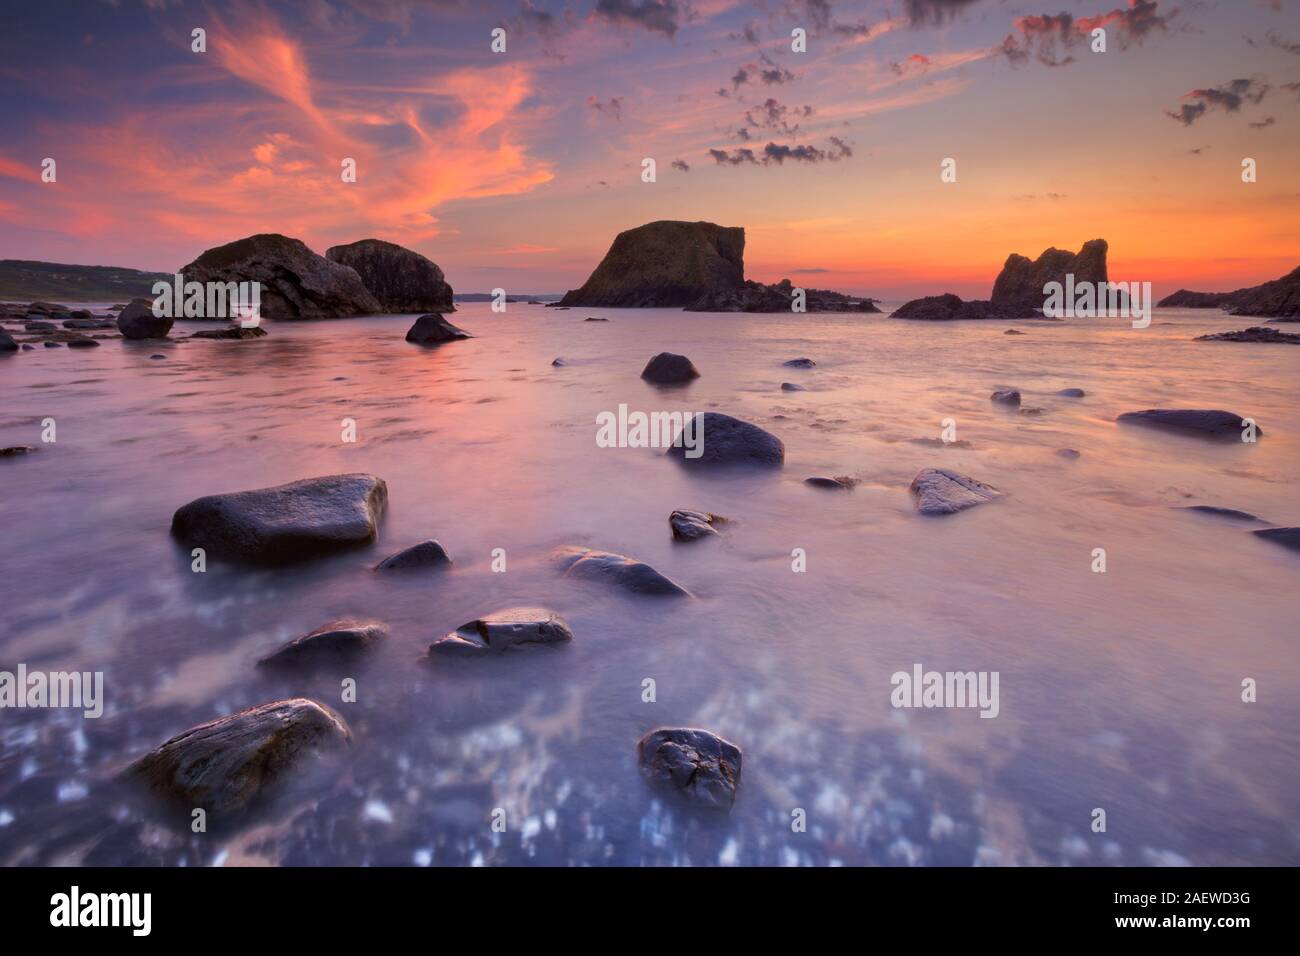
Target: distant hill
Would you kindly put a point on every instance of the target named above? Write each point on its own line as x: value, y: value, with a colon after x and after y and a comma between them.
x: 21, y: 279
x: 512, y: 297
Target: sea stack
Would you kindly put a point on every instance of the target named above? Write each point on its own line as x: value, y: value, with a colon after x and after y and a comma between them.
x: 402, y: 280
x: 1021, y: 281
x: 665, y: 264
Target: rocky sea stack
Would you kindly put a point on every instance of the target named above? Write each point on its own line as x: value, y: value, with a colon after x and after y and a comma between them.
x: 296, y: 282
x: 400, y: 279
x: 1278, y: 299
x: 665, y: 264
x: 1021, y: 281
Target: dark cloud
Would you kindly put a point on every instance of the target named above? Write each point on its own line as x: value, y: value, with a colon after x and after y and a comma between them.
x: 779, y: 153
x: 1047, y: 36
x: 736, y: 157
x: 766, y: 71
x: 657, y: 16
x: 1281, y: 44
x: 682, y: 164
x: 1228, y: 97
x: 612, y: 107
x: 774, y: 115
x: 921, y: 13
x: 1265, y: 123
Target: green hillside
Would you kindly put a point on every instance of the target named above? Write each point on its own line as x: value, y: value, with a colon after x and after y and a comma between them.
x: 27, y: 281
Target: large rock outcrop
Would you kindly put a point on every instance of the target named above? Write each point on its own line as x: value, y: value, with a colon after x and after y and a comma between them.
x: 402, y: 280
x: 296, y: 282
x: 1021, y: 280
x: 665, y: 264
x: 778, y: 297
x: 950, y: 308
x: 1279, y: 298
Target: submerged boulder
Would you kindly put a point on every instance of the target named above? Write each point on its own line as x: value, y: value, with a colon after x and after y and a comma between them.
x: 939, y: 491
x: 296, y: 283
x: 1287, y: 537
x: 692, y: 525
x: 1210, y: 423
x: 1258, y: 333
x: 695, y: 765
x: 508, y: 629
x: 236, y: 333
x: 667, y: 368
x: 334, y: 643
x: 400, y: 279
x: 426, y: 554
x: 1006, y: 396
x: 434, y: 330
x: 226, y: 765
x: 664, y: 264
x: 723, y: 440
x: 297, y: 521
x: 627, y: 573
x: 137, y: 321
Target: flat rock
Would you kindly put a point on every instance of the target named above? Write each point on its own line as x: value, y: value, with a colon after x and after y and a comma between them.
x: 619, y: 570
x: 1070, y: 453
x: 235, y: 332
x: 1210, y: 423
x: 504, y: 630
x: 426, y: 554
x: 695, y: 765
x: 1258, y: 333
x: 1006, y: 396
x: 82, y: 342
x: 792, y: 387
x: 799, y: 363
x: 225, y: 766
x: 14, y: 451
x: 667, y: 368
x: 942, y: 492
x: 297, y: 521
x: 724, y: 441
x: 137, y: 321
x: 1287, y: 537
x: 1230, y: 513
x: 433, y: 329
x: 831, y: 484
x: 1071, y: 393
x: 400, y: 279
x: 692, y: 525
x: 336, y: 643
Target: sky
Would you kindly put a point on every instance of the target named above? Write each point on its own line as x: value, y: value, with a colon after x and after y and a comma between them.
x: 516, y: 169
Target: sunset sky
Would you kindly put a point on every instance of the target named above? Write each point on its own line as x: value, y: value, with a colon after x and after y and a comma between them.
x: 517, y: 169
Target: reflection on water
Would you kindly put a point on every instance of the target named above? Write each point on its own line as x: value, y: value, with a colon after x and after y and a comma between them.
x: 1118, y: 690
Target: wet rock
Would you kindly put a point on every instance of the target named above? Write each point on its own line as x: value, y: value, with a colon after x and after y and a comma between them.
x: 692, y: 525
x: 595, y: 318
x: 559, y: 363
x: 39, y: 326
x: 296, y: 282
x: 799, y: 363
x: 695, y: 765
x: 82, y: 342
x: 1071, y: 393
x: 53, y: 345
x: 227, y: 765
x: 14, y: 451
x: 7, y: 343
x: 666, y: 368
x: 725, y: 441
x: 28, y: 347
x: 1229, y: 513
x: 157, y: 357
x: 1013, y: 332
x: 336, y: 643
x: 433, y: 329
x: 508, y: 629
x: 831, y: 484
x: 236, y: 332
x: 293, y: 522
x: 792, y: 387
x: 619, y: 570
x: 1209, y: 423
x: 400, y: 279
x: 1258, y: 333
x: 137, y: 321
x: 426, y: 554
x: 1068, y: 453
x: 939, y: 491
x: 1287, y: 537
x: 1006, y: 396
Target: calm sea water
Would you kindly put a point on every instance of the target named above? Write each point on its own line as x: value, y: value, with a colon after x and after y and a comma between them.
x: 1119, y: 691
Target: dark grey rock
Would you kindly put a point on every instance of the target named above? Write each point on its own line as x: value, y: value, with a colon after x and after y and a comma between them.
x: 433, y: 329
x: 14, y: 451
x: 339, y: 642
x: 426, y: 554
x: 83, y: 342
x: 695, y: 765
x: 792, y: 387
x: 227, y: 765
x: 1287, y: 537
x: 667, y: 368
x: 724, y: 441
x: 1006, y: 396
x: 799, y: 363
x: 1258, y: 333
x: 626, y: 573
x: 7, y: 343
x: 508, y: 629
x: 1210, y: 423
x: 137, y: 321
x: 237, y: 333
x: 293, y: 522
x: 400, y: 279
x: 1230, y: 513
x: 1068, y: 453
x: 831, y: 484
x: 939, y: 491
x: 692, y: 525
x: 1071, y: 393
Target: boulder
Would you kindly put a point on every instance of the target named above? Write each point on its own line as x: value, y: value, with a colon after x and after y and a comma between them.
x: 433, y: 329
x: 426, y: 554
x: 939, y: 491
x: 1021, y: 280
x: 1006, y: 396
x: 664, y: 264
x: 225, y: 766
x: 723, y: 441
x: 692, y: 525
x: 830, y: 484
x: 950, y: 308
x: 694, y: 765
x: 1211, y: 423
x: 667, y: 368
x: 400, y: 279
x: 799, y: 363
x: 1071, y: 393
x: 336, y: 643
x: 82, y: 342
x: 39, y: 326
x: 296, y: 282
x: 792, y: 387
x: 293, y: 522
x: 7, y: 343
x: 235, y: 332
x: 1287, y: 537
x: 137, y: 321
x: 505, y: 630
x: 14, y: 451
x: 623, y: 572
x: 1258, y: 333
